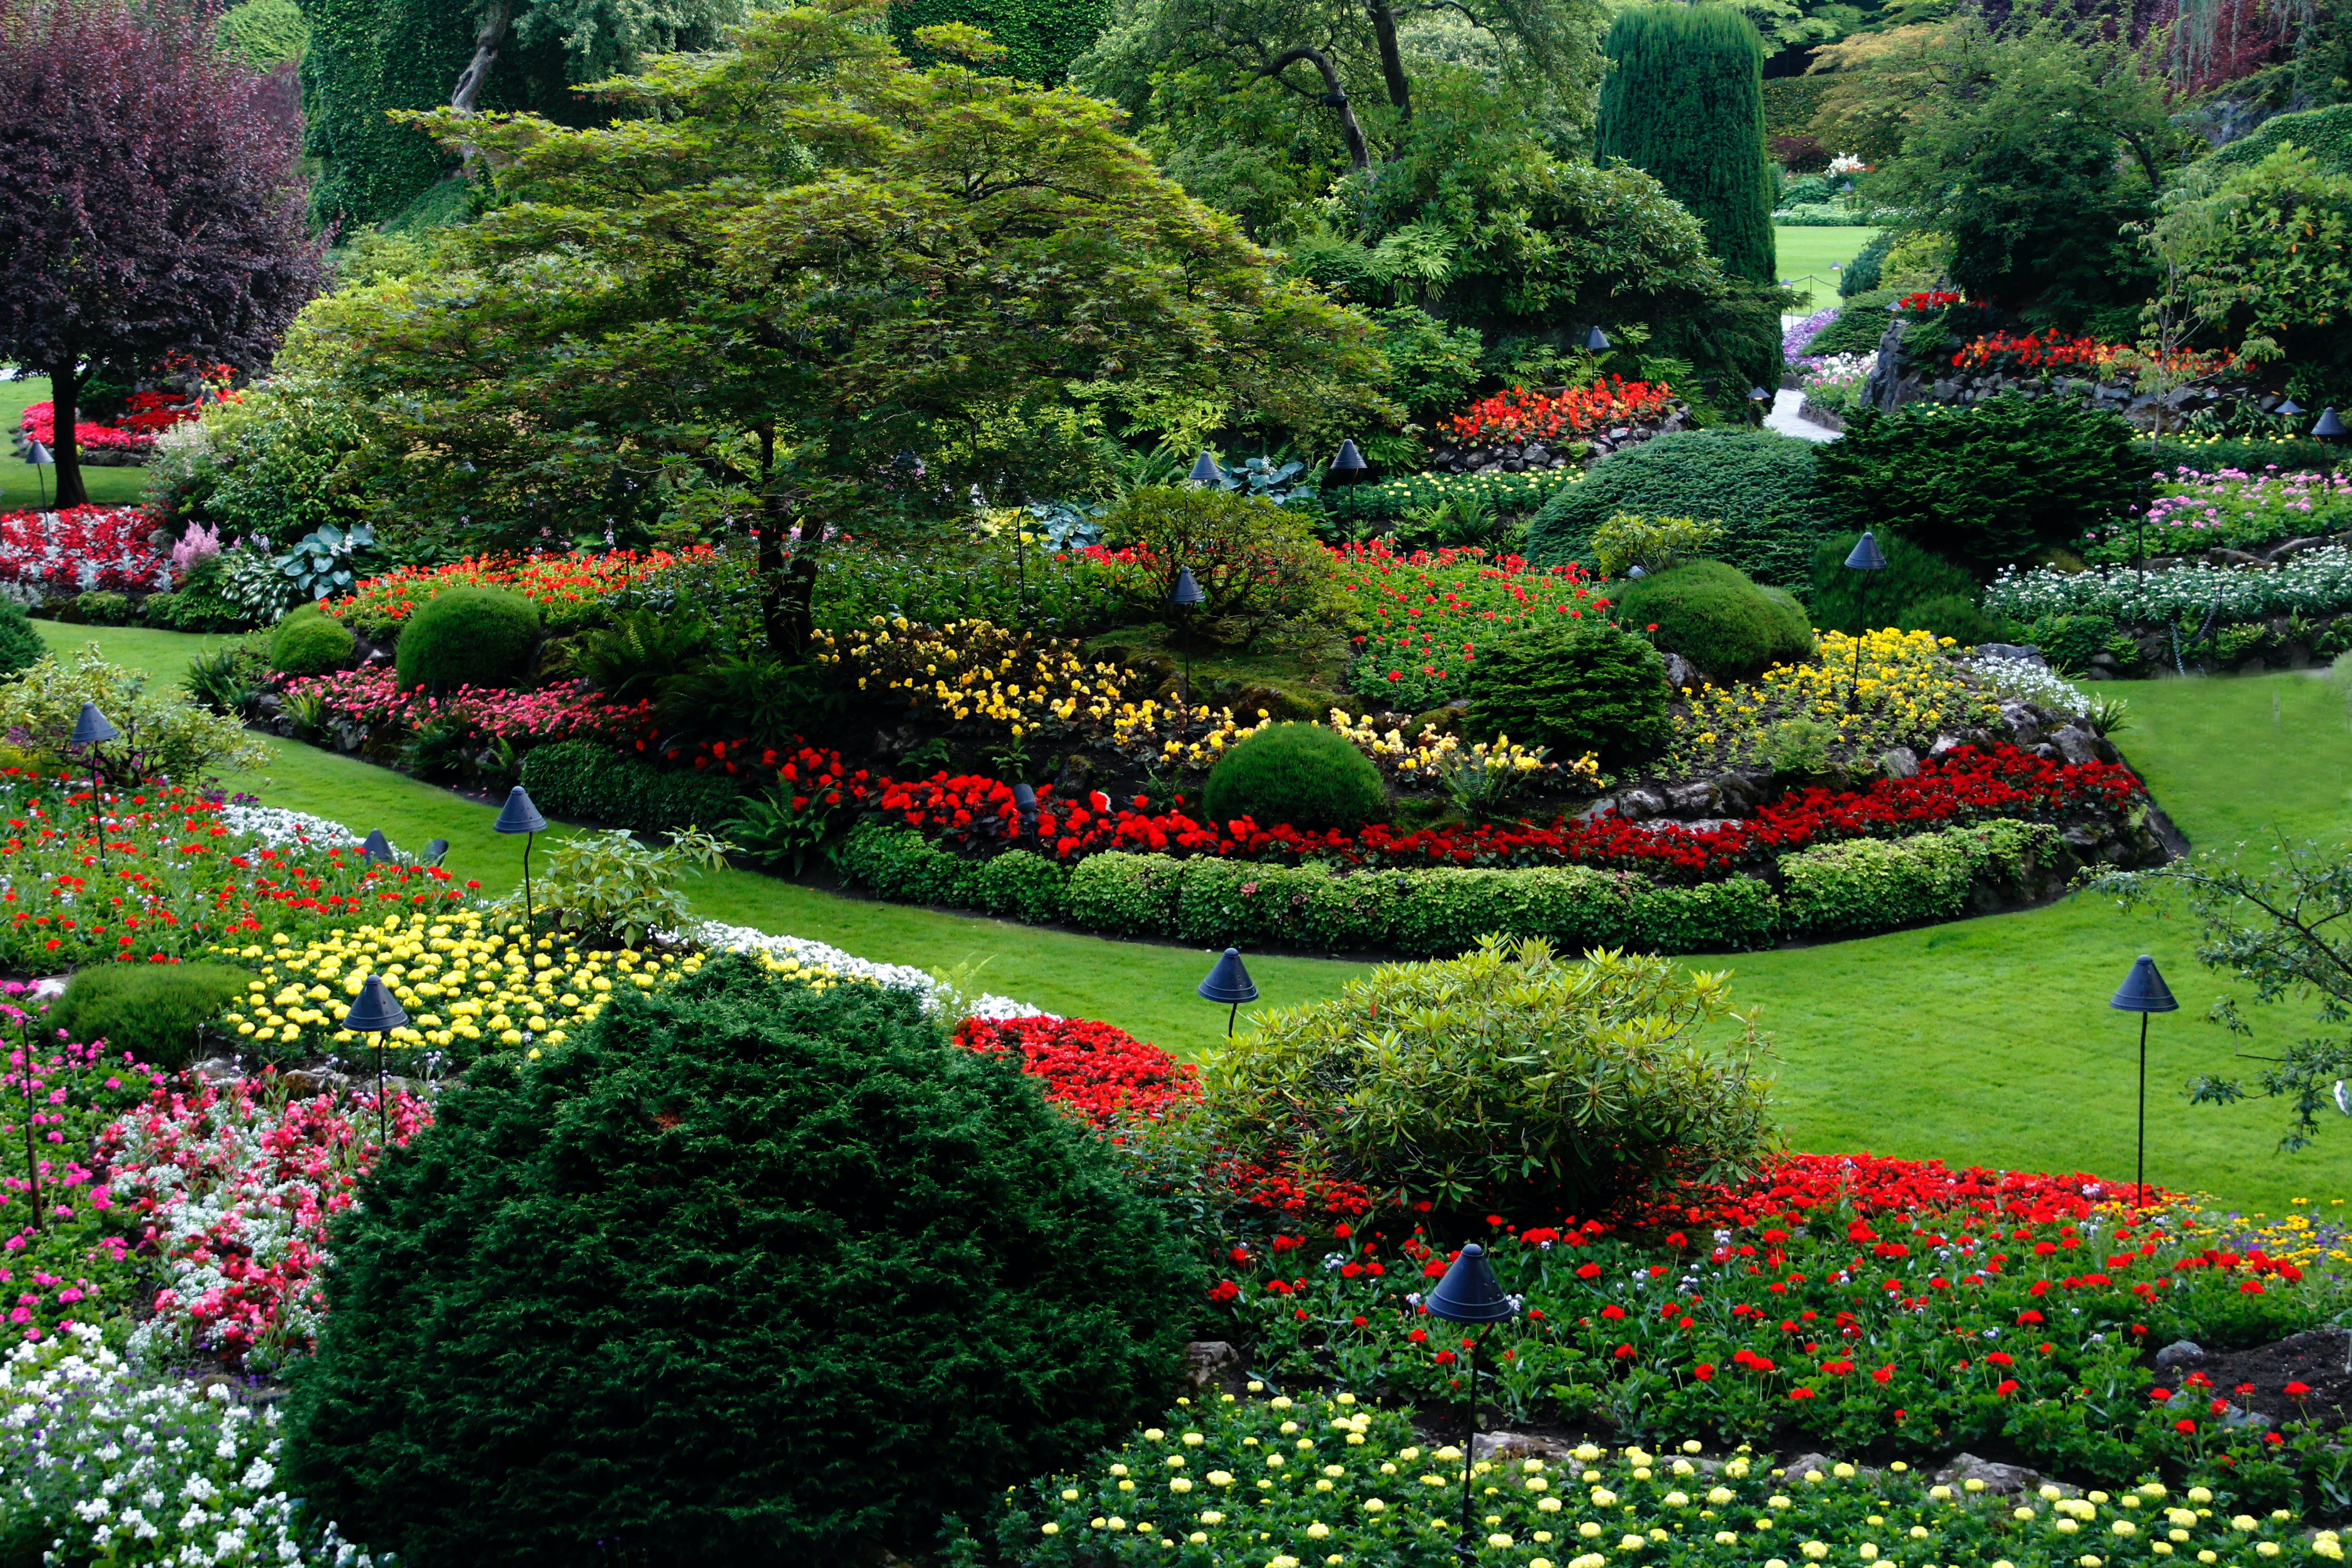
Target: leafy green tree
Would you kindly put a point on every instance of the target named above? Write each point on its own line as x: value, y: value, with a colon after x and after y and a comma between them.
x: 1683, y: 102
x: 2029, y: 147
x: 811, y: 288
x: 1040, y: 38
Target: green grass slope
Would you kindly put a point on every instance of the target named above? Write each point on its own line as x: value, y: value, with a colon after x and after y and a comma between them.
x: 22, y: 486
x: 1806, y: 254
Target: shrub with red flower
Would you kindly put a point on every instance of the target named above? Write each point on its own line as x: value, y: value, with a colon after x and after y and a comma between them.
x: 2052, y: 350
x: 80, y: 549
x: 1928, y: 299
x: 1427, y: 613
x: 1519, y: 414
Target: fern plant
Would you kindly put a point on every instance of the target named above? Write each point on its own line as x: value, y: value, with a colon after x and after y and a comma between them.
x: 630, y: 660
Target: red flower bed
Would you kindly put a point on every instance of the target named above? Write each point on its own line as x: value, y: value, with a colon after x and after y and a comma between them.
x: 1869, y: 1185
x: 1097, y: 1070
x: 2056, y: 351
x: 567, y: 588
x: 1519, y: 414
x: 81, y: 548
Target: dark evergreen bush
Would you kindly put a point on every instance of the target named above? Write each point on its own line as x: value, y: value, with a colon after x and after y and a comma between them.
x: 21, y: 647
x: 749, y: 1273
x: 1302, y: 774
x: 308, y: 641
x: 1954, y: 616
x: 468, y: 637
x: 1855, y: 602
x: 1587, y: 687
x: 1683, y: 102
x: 591, y: 783
x: 152, y: 1010
x: 1760, y: 484
x: 1987, y: 484
x: 1858, y: 327
x: 1716, y: 616
x: 1861, y: 275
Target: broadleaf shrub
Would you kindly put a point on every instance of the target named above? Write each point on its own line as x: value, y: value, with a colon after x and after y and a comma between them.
x: 1588, y: 686
x: 877, y: 1273
x: 1303, y: 774
x: 1987, y: 484
x: 1873, y: 884
x: 154, y: 1011
x: 1760, y: 485
x: 21, y: 647
x: 1510, y: 1073
x: 1653, y: 543
x: 1715, y: 615
x: 468, y: 637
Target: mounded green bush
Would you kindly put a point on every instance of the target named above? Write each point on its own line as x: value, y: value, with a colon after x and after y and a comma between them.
x: 1302, y: 774
x: 2324, y: 134
x: 1875, y: 884
x: 102, y: 607
x: 21, y: 647
x: 1761, y: 485
x: 750, y: 1272
x: 1862, y: 274
x: 1855, y: 602
x: 1510, y: 1072
x: 1987, y: 484
x: 1858, y: 327
x: 1589, y: 686
x: 1730, y: 916
x: 152, y: 1010
x: 468, y: 637
x: 1444, y: 911
x: 1957, y: 616
x: 1125, y: 895
x: 584, y: 781
x: 308, y: 641
x: 1023, y: 885
x: 905, y: 867
x: 2070, y: 642
x: 1716, y: 616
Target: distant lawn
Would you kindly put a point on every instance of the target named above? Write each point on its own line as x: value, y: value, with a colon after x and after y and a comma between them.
x: 1986, y: 1041
x: 21, y: 485
x: 1807, y: 257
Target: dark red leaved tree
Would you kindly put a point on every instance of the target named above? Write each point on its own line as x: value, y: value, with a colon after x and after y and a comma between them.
x: 149, y: 199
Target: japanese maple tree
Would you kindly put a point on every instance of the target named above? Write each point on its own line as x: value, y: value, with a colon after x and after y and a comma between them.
x: 149, y: 200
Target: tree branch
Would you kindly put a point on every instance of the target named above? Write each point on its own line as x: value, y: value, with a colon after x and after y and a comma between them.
x: 1335, y: 94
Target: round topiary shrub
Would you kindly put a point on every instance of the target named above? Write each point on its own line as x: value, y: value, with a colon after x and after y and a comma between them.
x: 308, y: 641
x: 749, y: 1271
x: 1760, y: 484
x: 1716, y: 616
x: 1578, y: 688
x: 152, y: 1010
x: 21, y: 647
x: 1301, y: 775
x: 468, y: 637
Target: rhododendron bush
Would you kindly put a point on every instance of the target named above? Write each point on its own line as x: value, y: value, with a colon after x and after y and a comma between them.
x: 79, y: 548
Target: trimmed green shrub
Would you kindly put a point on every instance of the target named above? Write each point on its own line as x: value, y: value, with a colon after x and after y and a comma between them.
x: 21, y: 647
x: 102, y: 608
x: 2069, y: 641
x: 468, y: 637
x: 154, y: 1011
x: 1856, y: 601
x: 1861, y: 275
x: 554, y: 1311
x: 2324, y: 134
x: 586, y: 782
x: 308, y: 641
x: 1761, y: 485
x: 903, y: 867
x: 1987, y: 484
x: 1024, y: 886
x: 1302, y: 774
x: 264, y: 31
x: 1507, y: 1073
x: 1683, y: 100
x: 1577, y: 689
x: 1125, y: 895
x: 1246, y: 903
x: 1858, y: 327
x: 1715, y: 615
x: 1730, y: 916
x: 1653, y: 543
x: 1442, y: 911
x: 1877, y: 884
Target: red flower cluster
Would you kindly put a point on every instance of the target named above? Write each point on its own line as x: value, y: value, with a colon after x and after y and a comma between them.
x: 79, y: 548
x: 1928, y: 299
x: 567, y: 588
x: 1100, y: 1070
x: 1519, y: 414
x: 1869, y: 1185
x: 2054, y: 350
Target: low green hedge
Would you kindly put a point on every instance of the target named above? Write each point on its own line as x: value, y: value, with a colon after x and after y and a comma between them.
x: 1864, y: 885
x: 586, y: 782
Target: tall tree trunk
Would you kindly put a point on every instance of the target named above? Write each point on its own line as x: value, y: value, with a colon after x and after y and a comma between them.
x: 1392, y: 58
x: 64, y: 391
x: 487, y: 44
x: 1335, y: 96
x: 787, y: 587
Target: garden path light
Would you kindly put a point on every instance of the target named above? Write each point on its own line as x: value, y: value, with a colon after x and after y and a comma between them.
x: 1205, y: 470
x: 2143, y: 992
x: 376, y: 1013
x: 1596, y: 342
x: 1470, y: 1294
x: 39, y: 458
x: 1349, y: 463
x: 90, y: 730
x: 1865, y: 557
x: 1186, y: 596
x: 520, y: 816
x: 1229, y: 982
x: 378, y: 848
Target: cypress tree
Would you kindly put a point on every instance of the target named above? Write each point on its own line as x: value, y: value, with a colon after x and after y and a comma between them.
x: 1684, y: 103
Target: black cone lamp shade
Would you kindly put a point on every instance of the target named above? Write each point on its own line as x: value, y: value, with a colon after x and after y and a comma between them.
x: 2330, y: 426
x: 377, y: 848
x: 39, y: 456
x: 2288, y: 409
x: 2143, y: 991
x: 519, y: 815
x: 92, y: 727
x: 434, y: 850
x: 1596, y: 342
x: 375, y: 1012
x: 1187, y: 590
x: 1469, y: 1293
x: 1229, y: 981
x: 1350, y: 461
x: 1025, y: 800
x: 1867, y: 556
x: 1758, y: 395
x: 1205, y: 470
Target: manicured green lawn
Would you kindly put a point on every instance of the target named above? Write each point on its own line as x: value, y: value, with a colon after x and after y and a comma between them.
x: 1806, y: 255
x: 21, y: 485
x: 1984, y: 1041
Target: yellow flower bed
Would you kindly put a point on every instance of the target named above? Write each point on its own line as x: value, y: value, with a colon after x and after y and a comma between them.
x: 1909, y: 691
x: 977, y: 669
x: 2311, y: 1232
x: 467, y: 982
x: 1430, y: 756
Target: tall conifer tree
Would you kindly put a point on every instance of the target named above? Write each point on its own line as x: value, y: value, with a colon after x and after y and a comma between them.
x: 1683, y: 102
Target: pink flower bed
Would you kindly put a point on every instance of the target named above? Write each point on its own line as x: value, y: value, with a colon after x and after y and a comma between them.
x: 80, y: 549
x: 40, y: 423
x: 372, y: 696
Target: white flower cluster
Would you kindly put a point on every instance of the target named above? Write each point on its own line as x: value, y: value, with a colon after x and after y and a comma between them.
x: 897, y: 976
x: 2028, y: 682
x: 2316, y: 582
x: 133, y: 1472
x: 276, y: 826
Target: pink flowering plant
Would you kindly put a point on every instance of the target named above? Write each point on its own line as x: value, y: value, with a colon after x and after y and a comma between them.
x: 230, y: 1187
x: 2196, y: 510
x: 370, y: 696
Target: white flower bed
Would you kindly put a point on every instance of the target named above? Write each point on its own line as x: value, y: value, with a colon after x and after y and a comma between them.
x: 276, y: 826
x: 131, y: 1471
x: 2316, y: 582
x: 897, y: 976
x: 2027, y: 682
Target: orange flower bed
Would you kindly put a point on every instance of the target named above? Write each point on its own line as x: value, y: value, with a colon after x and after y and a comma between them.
x: 567, y: 588
x: 1519, y: 414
